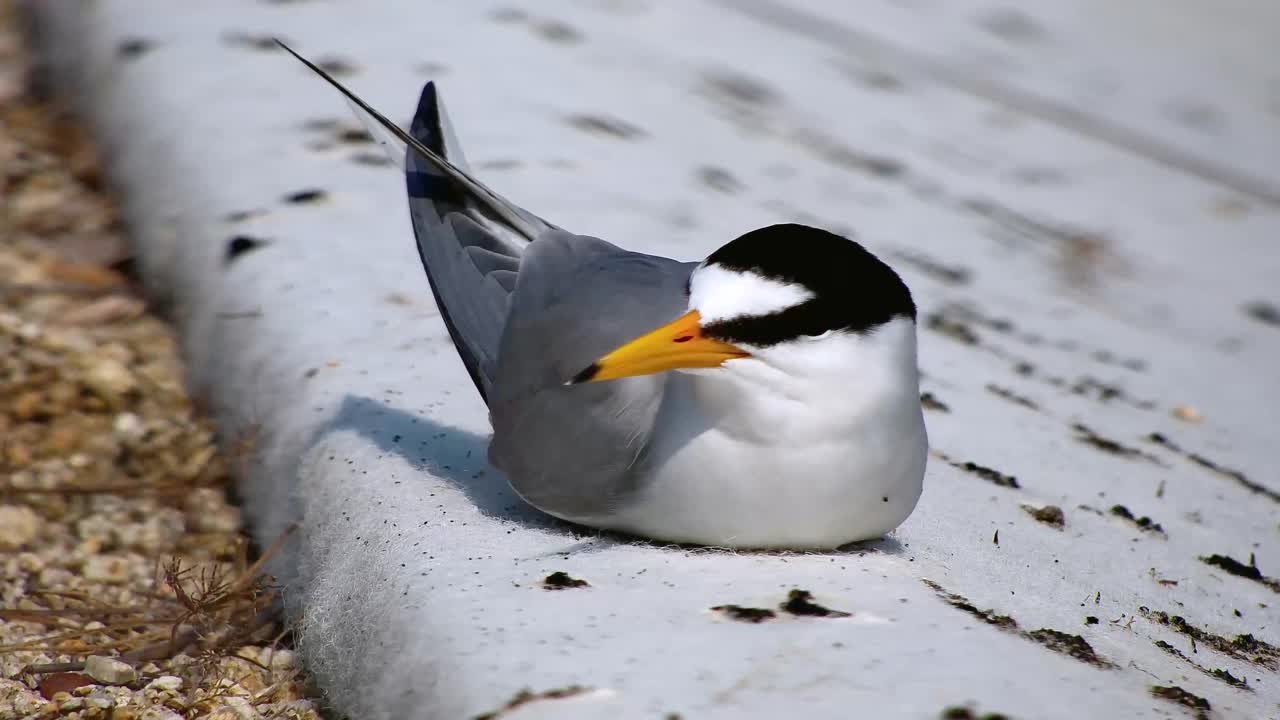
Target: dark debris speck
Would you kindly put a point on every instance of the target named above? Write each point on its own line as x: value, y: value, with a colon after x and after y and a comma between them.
x: 1175, y: 694
x: 882, y: 80
x: 931, y: 402
x: 719, y: 179
x: 943, y: 272
x: 558, y: 32
x: 746, y: 614
x: 1069, y: 644
x: 354, y: 136
x: 1239, y: 569
x: 1074, y: 646
x: 962, y: 712
x: 959, y: 602
x: 1143, y: 523
x: 1050, y: 515
x: 371, y: 159
x: 1088, y: 436
x: 337, y: 67
x: 1240, y: 478
x: 304, y: 197
x: 989, y: 474
x: 1105, y: 392
x: 1013, y: 397
x: 740, y: 88
x: 265, y: 43
x: 508, y: 15
x: 1226, y: 677
x: 1264, y: 312
x: 800, y: 603
x: 131, y: 48
x: 1013, y: 25
x: 602, y: 125
x: 239, y: 245
x: 1241, y: 647
x: 1235, y: 567
x: 561, y: 580
x: 526, y: 696
x: 957, y: 330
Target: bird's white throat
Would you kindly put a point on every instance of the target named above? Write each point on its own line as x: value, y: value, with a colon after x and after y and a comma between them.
x: 813, y: 389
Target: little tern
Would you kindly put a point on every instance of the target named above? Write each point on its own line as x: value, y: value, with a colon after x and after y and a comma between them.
x: 765, y: 397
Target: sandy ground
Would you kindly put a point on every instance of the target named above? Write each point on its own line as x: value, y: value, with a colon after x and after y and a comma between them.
x: 127, y: 589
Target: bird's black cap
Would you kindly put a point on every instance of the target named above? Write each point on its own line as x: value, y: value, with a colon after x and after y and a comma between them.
x: 853, y: 290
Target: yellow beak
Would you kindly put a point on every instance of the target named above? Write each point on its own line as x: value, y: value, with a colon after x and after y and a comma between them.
x: 678, y: 344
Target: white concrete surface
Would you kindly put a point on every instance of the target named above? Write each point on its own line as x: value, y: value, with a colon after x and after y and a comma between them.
x: 1104, y: 173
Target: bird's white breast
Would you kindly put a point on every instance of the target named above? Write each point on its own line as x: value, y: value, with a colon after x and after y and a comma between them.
x: 751, y: 456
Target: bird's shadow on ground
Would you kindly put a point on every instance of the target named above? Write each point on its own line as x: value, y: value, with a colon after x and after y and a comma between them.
x: 594, y: 541
x: 460, y: 458
x: 456, y: 456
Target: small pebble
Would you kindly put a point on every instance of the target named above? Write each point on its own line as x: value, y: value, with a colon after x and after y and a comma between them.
x: 166, y: 683
x: 110, y: 380
x: 128, y: 426
x: 19, y: 525
x: 109, y: 670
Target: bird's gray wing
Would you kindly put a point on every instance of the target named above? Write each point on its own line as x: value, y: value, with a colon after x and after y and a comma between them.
x: 470, y: 241
x: 470, y: 238
x: 528, y: 306
x: 571, y: 450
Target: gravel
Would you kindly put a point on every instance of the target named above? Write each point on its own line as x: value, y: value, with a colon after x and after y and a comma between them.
x: 127, y: 588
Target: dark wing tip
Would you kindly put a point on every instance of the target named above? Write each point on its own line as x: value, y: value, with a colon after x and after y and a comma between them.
x: 426, y: 126
x: 587, y: 374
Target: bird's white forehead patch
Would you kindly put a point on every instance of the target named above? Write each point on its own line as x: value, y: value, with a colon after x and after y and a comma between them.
x: 718, y: 293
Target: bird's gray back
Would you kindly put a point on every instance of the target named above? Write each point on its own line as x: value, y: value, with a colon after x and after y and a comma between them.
x: 572, y: 450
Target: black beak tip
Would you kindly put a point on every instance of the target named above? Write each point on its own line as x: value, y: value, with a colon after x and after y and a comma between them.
x: 586, y: 375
